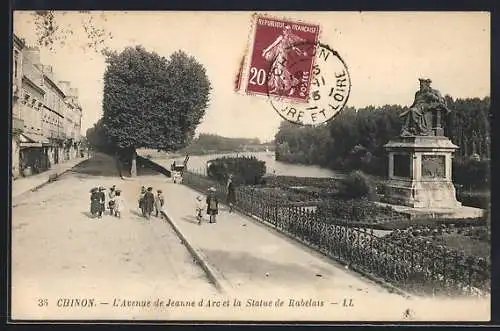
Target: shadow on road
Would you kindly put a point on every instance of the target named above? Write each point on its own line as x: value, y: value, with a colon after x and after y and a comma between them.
x: 98, y: 165
x: 86, y: 213
x: 105, y: 165
x: 190, y: 219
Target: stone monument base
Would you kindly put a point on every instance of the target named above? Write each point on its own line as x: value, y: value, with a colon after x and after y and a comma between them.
x: 421, y: 194
x: 462, y: 212
x: 420, y: 172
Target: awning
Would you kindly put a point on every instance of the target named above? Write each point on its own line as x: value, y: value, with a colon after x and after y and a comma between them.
x: 28, y: 141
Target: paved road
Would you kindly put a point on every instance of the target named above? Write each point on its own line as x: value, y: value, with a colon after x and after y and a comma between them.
x: 59, y: 252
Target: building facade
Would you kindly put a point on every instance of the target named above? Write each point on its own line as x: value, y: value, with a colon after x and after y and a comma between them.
x: 46, y: 115
x: 17, y: 122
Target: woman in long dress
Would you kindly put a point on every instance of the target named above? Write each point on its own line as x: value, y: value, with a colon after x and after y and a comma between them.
x: 95, y: 204
x: 281, y: 80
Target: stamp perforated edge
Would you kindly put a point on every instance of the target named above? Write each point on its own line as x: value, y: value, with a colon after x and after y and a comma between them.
x: 250, y: 49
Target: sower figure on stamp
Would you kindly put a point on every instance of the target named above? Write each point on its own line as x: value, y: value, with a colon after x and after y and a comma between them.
x: 416, y: 120
x: 281, y: 80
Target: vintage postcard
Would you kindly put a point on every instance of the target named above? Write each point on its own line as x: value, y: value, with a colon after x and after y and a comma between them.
x: 250, y: 166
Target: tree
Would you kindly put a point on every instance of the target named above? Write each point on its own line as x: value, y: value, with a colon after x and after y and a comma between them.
x: 151, y: 101
x: 98, y: 138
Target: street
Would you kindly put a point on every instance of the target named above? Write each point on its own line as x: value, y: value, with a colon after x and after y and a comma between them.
x: 58, y: 251
x: 66, y: 265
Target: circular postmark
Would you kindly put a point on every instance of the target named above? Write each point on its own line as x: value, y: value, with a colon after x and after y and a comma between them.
x: 308, y: 84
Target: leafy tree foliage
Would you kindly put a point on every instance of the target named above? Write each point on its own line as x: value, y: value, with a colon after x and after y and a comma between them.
x: 98, y: 138
x: 151, y: 101
x: 355, y: 139
x: 245, y: 170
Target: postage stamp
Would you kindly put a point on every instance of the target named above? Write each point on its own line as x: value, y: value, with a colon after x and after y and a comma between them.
x: 276, y: 44
x: 307, y: 82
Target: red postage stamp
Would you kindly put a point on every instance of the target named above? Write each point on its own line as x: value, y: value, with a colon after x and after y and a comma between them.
x: 277, y: 46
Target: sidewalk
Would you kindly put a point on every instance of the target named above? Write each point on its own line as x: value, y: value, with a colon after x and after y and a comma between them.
x: 25, y: 184
x: 250, y: 260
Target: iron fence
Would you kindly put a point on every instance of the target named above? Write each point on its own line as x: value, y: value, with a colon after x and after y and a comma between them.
x: 415, y: 265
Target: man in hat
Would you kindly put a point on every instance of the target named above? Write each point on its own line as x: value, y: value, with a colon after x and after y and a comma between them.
x: 148, y: 203
x: 102, y: 201
x: 141, y: 200
x: 212, y: 205
x: 159, y: 203
x: 231, y: 192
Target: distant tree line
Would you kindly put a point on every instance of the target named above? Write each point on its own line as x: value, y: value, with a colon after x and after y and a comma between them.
x: 210, y: 143
x: 355, y: 138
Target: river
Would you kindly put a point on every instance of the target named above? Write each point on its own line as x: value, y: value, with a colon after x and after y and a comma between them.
x: 198, y: 163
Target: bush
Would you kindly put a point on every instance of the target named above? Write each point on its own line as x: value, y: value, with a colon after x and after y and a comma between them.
x: 245, y: 170
x: 474, y: 199
x: 356, y: 186
x: 471, y: 173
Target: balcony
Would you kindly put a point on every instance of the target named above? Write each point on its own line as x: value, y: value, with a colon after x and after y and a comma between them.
x: 17, y: 125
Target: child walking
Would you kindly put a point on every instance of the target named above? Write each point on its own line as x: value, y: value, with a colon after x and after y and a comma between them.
x: 119, y: 206
x: 199, y: 209
x: 212, y: 205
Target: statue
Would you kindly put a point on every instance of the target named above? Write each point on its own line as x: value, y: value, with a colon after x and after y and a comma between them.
x: 416, y: 121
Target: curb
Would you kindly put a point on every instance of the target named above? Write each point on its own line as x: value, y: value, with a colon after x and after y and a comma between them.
x: 212, y: 275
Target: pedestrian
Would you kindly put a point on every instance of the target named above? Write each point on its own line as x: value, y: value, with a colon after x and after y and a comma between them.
x: 159, y: 203
x: 102, y: 201
x: 199, y: 209
x: 111, y: 199
x: 141, y: 200
x: 119, y: 204
x: 212, y: 205
x: 231, y: 192
x: 94, y: 202
x: 148, y: 203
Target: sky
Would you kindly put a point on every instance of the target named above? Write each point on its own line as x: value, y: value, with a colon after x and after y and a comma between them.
x: 385, y: 52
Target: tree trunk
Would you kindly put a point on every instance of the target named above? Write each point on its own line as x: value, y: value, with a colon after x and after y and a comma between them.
x: 118, y: 164
x: 133, y: 167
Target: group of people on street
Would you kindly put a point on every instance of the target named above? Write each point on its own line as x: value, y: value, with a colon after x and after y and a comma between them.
x: 149, y: 202
x: 116, y: 203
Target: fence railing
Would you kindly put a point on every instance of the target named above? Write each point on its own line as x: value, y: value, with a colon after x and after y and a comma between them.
x: 416, y: 266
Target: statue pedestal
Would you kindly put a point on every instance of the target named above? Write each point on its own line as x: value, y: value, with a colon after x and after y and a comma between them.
x: 420, y: 173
